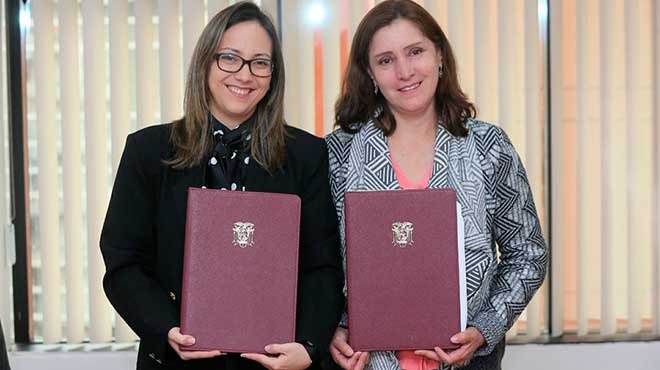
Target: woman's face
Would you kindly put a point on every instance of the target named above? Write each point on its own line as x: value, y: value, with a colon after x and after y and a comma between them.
x: 404, y: 63
x: 235, y: 95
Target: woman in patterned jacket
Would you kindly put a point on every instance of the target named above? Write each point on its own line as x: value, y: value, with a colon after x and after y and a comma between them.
x: 405, y: 123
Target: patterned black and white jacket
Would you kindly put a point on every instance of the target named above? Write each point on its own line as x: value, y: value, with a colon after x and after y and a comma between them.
x: 498, y: 212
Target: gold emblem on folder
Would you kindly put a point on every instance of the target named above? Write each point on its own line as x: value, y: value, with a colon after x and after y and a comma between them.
x: 243, y: 234
x: 402, y: 234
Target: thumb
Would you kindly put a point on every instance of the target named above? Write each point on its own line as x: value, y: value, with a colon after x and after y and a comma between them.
x: 175, y: 335
x: 275, y: 349
x: 460, y: 338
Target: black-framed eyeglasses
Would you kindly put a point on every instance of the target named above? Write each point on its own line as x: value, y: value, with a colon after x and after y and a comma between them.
x: 233, y: 63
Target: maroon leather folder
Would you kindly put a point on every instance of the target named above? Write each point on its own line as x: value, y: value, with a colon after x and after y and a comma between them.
x: 240, y: 270
x: 402, y: 269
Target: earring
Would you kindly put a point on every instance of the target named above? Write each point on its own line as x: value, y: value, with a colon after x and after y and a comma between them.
x: 375, y: 86
x: 440, y: 70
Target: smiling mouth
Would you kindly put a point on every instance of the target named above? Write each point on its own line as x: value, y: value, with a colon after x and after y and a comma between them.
x: 239, y: 91
x: 410, y: 87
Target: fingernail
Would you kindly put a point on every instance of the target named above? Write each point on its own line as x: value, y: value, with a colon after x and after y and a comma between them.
x: 267, y: 348
x: 190, y: 341
x: 453, y: 339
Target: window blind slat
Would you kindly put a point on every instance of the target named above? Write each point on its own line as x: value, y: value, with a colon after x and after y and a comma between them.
x: 145, y: 64
x: 5, y: 268
x: 439, y: 11
x: 306, y: 67
x: 193, y: 23
x: 656, y: 157
x: 119, y: 77
x: 534, y: 137
x: 170, y: 60
x: 638, y: 26
x: 214, y: 6
x: 270, y: 7
x: 290, y: 48
x: 331, y: 63
x: 614, y: 210
x: 460, y: 31
x: 485, y: 74
x: 556, y: 107
x: 96, y: 155
x: 48, y: 244
x: 589, y: 154
x: 71, y: 167
x: 119, y: 107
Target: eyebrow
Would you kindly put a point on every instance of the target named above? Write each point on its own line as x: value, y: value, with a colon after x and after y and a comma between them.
x: 405, y: 47
x: 236, y: 51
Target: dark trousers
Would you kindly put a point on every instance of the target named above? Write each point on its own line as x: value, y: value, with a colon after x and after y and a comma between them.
x: 4, y: 361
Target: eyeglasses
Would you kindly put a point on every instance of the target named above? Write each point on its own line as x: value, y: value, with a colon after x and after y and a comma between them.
x: 233, y: 63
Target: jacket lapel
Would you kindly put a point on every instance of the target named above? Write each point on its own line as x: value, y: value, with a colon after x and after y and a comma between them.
x: 369, y: 163
x: 440, y: 172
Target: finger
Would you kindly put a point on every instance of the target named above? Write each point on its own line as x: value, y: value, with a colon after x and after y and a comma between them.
x: 276, y: 348
x: 352, y: 361
x: 182, y: 339
x: 266, y: 361
x: 456, y: 356
x: 196, y: 355
x: 460, y: 338
x: 444, y: 357
x: 431, y: 355
x: 362, y: 361
x: 343, y: 346
x: 339, y: 357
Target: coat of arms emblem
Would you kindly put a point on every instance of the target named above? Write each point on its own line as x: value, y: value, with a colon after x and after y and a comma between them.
x: 243, y: 234
x: 402, y: 234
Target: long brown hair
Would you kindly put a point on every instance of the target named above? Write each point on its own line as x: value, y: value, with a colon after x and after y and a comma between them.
x: 358, y: 103
x: 191, y: 135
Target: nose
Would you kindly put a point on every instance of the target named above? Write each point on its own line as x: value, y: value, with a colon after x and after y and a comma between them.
x: 404, y: 69
x: 243, y: 74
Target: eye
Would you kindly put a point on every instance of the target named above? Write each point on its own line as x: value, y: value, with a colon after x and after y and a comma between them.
x: 228, y: 58
x: 262, y: 63
x: 416, y: 51
x: 385, y: 61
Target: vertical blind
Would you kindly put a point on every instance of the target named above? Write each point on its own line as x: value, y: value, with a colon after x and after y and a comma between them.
x: 5, y: 258
x: 604, y: 133
x: 604, y: 67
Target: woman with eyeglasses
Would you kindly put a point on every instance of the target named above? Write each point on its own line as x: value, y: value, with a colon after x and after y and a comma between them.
x: 232, y: 136
x: 405, y: 123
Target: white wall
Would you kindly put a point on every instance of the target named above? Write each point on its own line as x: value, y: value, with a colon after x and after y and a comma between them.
x: 604, y: 356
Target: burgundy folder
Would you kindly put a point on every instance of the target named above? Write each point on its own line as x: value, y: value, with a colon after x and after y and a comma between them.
x: 402, y: 269
x: 240, y: 269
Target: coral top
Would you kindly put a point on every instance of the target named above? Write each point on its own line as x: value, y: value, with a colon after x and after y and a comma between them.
x: 408, y: 360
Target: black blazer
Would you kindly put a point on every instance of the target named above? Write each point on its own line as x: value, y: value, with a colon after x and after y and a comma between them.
x: 143, y: 236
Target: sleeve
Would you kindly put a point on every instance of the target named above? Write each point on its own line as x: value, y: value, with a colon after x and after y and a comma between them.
x: 337, y: 155
x: 320, y: 298
x: 523, y: 251
x: 129, y: 248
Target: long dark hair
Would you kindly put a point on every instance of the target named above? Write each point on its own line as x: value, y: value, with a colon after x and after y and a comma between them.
x: 357, y: 103
x: 191, y: 135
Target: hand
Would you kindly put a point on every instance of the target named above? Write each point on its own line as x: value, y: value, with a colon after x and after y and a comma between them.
x: 287, y: 356
x: 469, y: 340
x: 176, y: 340
x: 344, y: 355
